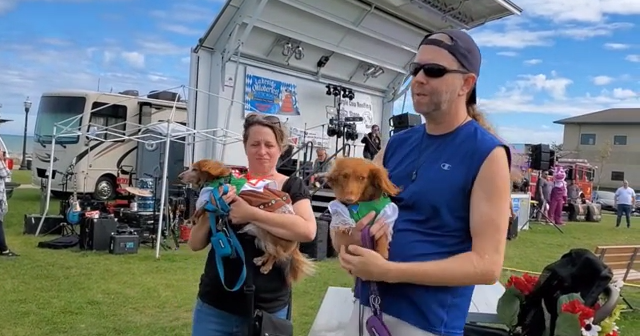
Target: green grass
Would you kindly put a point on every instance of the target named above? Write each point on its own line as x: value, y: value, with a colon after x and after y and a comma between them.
x: 21, y: 176
x: 47, y: 292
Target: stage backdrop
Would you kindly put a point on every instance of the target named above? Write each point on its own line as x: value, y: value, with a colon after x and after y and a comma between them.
x: 270, y: 96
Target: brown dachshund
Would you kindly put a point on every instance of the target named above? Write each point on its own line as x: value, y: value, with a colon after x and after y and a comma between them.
x: 277, y: 250
x: 356, y: 180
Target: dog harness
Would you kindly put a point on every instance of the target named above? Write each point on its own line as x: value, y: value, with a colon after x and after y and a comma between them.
x: 223, y: 240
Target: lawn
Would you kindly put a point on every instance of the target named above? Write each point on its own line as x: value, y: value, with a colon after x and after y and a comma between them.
x: 47, y: 292
x: 21, y: 176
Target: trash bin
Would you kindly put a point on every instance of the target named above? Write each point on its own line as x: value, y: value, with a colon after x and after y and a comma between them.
x: 29, y: 163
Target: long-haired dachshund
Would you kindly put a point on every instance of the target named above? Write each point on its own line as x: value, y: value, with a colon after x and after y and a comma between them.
x: 265, y: 195
x: 361, y: 187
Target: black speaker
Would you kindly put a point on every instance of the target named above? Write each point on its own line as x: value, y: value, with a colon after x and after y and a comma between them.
x: 540, y: 157
x: 95, y: 234
x: 397, y: 130
x: 317, y: 249
x: 405, y: 120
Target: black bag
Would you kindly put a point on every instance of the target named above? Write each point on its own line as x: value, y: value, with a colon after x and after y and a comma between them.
x: 263, y: 323
x: 577, y: 271
x: 481, y: 330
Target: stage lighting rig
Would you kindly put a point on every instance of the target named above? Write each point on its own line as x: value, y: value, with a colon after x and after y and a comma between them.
x: 339, y: 91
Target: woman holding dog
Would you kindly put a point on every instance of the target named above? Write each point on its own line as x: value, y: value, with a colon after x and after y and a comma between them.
x: 453, y: 207
x: 218, y: 311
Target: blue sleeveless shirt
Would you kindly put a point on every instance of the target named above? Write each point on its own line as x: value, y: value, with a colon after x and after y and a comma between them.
x: 436, y: 174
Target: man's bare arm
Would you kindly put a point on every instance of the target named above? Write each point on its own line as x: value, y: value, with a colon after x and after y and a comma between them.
x: 489, y: 218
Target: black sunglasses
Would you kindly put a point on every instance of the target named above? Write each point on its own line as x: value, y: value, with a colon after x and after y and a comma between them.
x: 254, y: 117
x: 432, y: 70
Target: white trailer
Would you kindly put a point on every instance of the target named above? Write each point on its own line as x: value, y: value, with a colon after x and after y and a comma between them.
x: 96, y: 162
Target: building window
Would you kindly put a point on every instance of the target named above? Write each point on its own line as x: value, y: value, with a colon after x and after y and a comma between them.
x: 617, y: 176
x: 588, y: 139
x: 619, y: 140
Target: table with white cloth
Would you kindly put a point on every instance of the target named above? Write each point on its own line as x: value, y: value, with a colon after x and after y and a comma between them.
x: 336, y: 307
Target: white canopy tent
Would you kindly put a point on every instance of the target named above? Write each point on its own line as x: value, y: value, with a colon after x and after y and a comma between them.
x: 163, y: 132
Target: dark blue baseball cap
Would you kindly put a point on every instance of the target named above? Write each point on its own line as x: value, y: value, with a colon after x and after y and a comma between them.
x: 464, y: 49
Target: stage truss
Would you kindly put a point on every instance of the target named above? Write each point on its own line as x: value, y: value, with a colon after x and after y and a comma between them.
x: 169, y: 129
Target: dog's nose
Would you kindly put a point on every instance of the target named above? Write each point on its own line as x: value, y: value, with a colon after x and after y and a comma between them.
x: 180, y: 176
x: 350, y: 200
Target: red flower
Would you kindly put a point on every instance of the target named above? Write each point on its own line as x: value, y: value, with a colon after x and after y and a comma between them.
x: 612, y: 333
x: 577, y: 308
x: 524, y: 284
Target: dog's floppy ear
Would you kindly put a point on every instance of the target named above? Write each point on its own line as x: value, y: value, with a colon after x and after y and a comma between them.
x: 380, y: 178
x: 215, y: 168
x: 212, y: 168
x: 334, y: 172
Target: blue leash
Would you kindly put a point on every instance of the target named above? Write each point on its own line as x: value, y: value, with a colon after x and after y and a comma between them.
x: 223, y: 241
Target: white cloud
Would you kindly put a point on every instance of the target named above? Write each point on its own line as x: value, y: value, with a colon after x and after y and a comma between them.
x: 507, y: 53
x: 185, y: 12
x: 616, y: 46
x: 579, y: 10
x: 180, y: 29
x: 633, y: 58
x: 532, y: 61
x: 515, y: 36
x: 37, y: 68
x: 133, y: 58
x: 547, y: 94
x: 602, y: 80
x: 542, y: 134
x: 620, y: 93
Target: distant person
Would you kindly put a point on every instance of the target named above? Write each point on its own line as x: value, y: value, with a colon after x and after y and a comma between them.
x: 320, y: 168
x: 372, y: 143
x: 623, y: 201
x: 4, y: 206
x: 573, y: 192
x: 543, y: 194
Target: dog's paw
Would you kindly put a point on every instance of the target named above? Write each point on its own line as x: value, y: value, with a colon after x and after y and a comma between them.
x: 345, y: 230
x: 259, y: 261
x: 265, y: 269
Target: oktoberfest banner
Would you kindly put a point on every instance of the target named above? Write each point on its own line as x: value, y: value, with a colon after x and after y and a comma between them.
x: 270, y: 96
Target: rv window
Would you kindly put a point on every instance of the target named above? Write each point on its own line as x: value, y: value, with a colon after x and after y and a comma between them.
x: 580, y: 174
x: 64, y: 111
x: 109, y: 119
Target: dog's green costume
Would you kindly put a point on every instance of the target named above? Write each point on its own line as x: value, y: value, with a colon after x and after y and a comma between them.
x: 346, y: 216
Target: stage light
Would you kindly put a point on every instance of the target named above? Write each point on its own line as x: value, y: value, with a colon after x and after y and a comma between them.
x: 370, y: 69
x: 328, y: 90
x: 298, y: 53
x: 379, y: 71
x: 350, y: 95
x: 336, y: 91
x: 287, y: 49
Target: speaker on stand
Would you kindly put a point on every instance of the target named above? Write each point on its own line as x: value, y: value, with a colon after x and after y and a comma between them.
x: 402, y: 122
x: 542, y: 157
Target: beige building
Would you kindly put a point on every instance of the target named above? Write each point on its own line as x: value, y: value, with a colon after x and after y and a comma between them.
x: 610, y: 140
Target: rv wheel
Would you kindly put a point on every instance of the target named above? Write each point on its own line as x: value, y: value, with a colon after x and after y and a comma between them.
x: 105, y: 189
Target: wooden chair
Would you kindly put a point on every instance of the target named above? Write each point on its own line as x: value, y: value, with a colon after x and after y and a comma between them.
x: 621, y: 259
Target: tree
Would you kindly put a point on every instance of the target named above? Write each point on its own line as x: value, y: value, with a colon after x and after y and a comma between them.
x: 602, y: 158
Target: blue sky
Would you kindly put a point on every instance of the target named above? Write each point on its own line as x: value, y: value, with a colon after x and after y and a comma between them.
x: 556, y: 60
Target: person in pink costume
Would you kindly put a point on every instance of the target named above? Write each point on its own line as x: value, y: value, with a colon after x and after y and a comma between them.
x: 558, y: 195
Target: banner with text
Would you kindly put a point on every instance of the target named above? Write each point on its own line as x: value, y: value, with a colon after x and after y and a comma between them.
x: 360, y: 106
x: 298, y: 137
x: 270, y: 96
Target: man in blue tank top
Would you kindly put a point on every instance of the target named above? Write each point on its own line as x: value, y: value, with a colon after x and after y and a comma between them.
x: 453, y: 208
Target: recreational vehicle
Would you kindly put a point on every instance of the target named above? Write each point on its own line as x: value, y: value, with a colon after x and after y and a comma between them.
x: 90, y: 141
